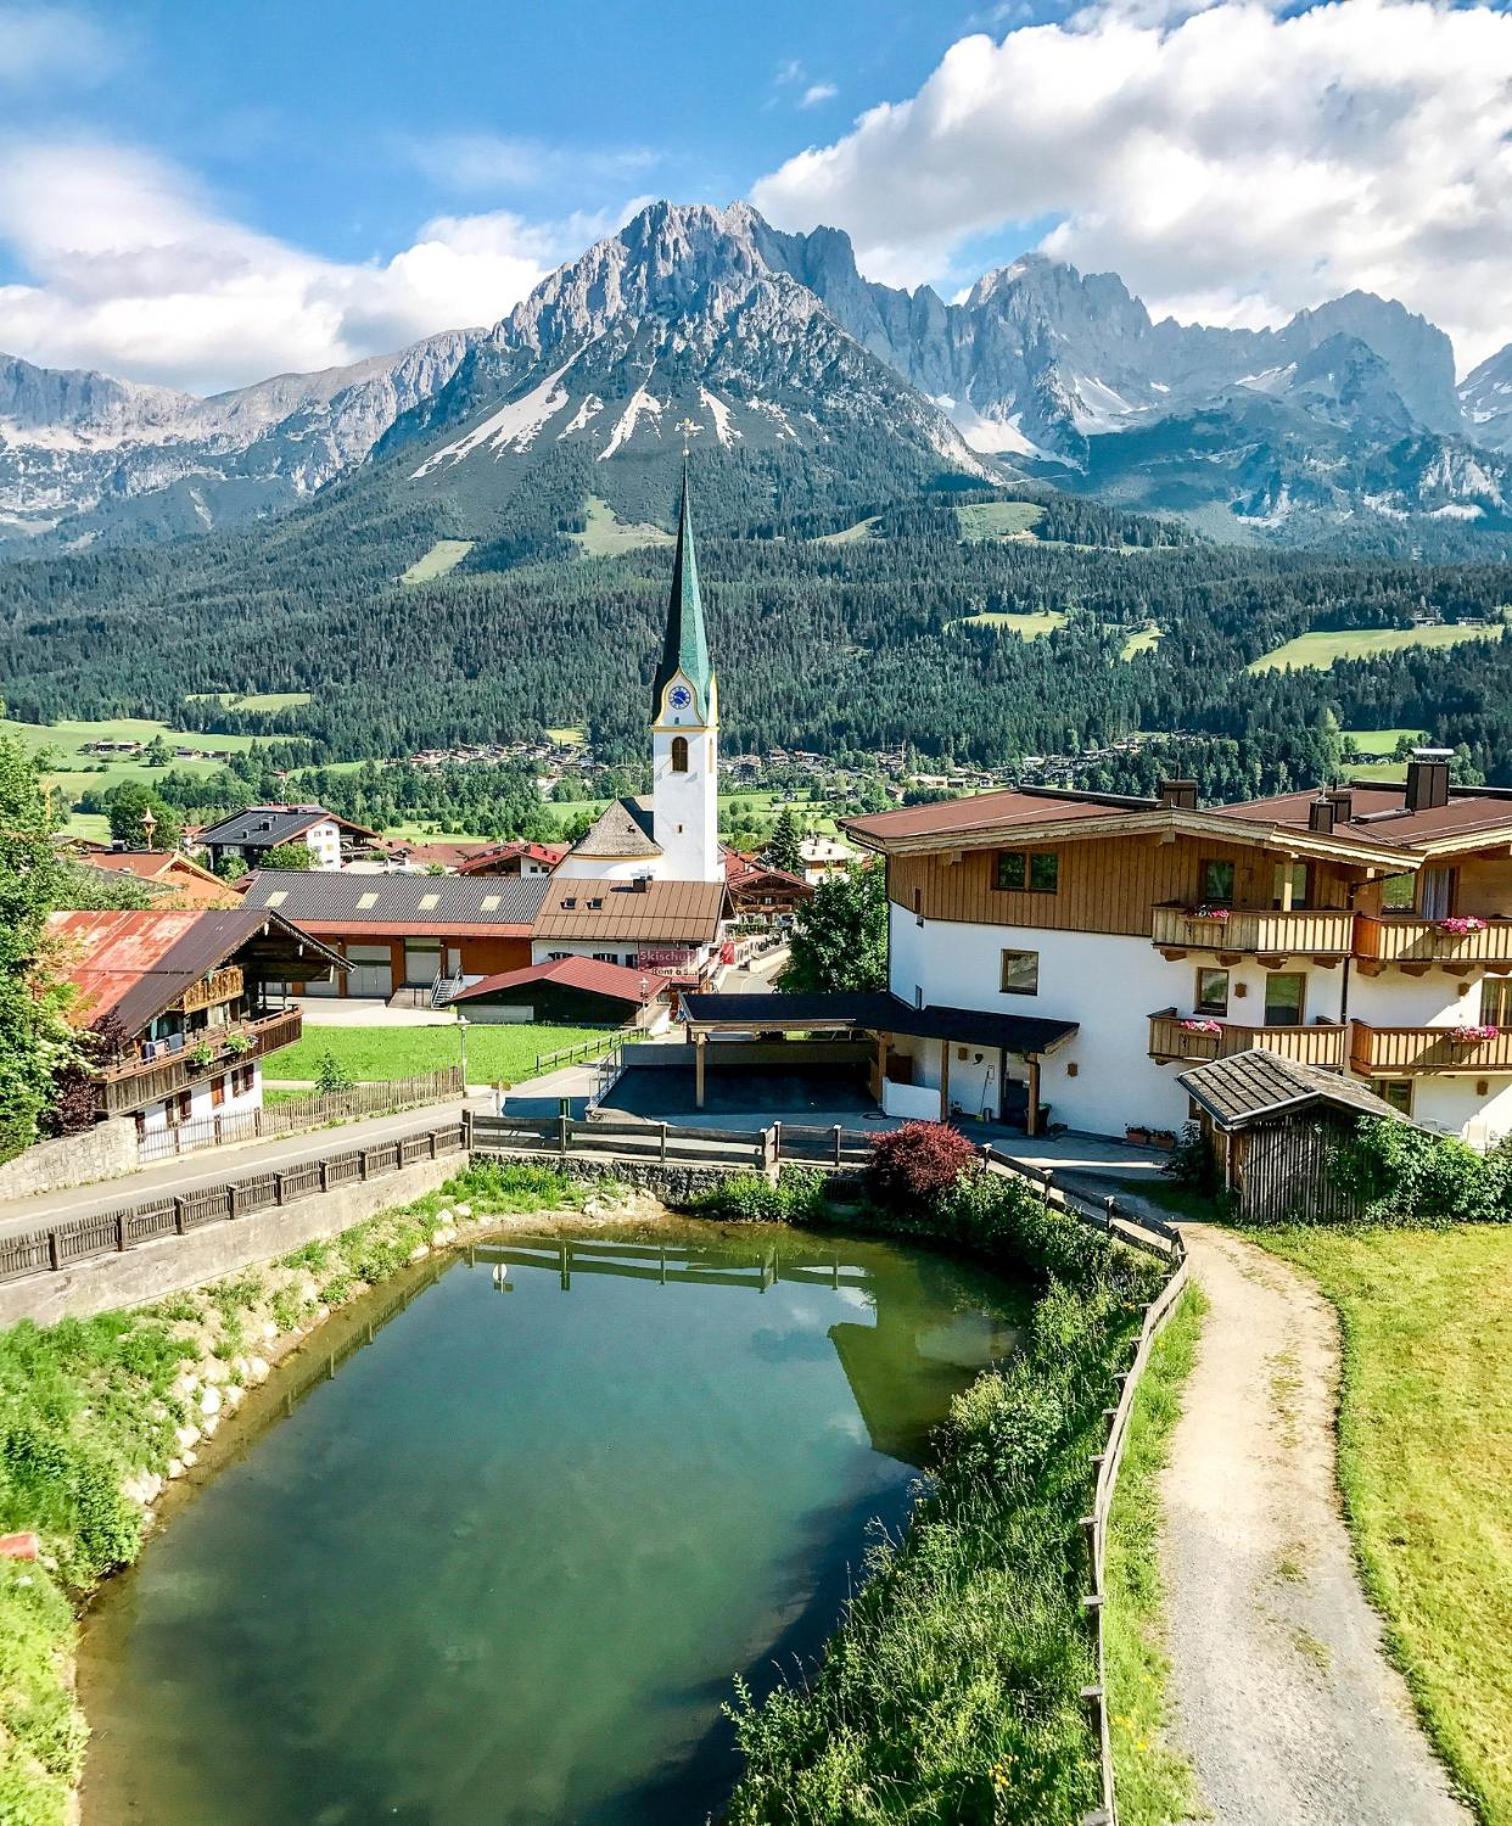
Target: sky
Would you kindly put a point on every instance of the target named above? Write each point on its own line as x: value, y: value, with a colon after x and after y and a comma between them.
x: 202, y: 195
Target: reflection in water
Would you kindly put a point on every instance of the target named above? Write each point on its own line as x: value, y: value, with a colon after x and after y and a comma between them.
x: 500, y: 1565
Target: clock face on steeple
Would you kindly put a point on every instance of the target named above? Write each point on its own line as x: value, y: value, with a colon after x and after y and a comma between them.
x: 679, y: 697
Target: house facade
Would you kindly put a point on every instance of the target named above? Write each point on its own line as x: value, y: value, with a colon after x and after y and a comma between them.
x: 249, y: 835
x: 181, y: 1006
x: 1366, y: 930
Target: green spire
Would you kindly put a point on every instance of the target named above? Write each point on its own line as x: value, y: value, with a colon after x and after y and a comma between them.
x: 686, y: 647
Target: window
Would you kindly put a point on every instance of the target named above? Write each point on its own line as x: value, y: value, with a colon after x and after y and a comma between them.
x: 1436, y: 894
x: 918, y: 906
x: 1396, y: 1091
x: 679, y: 754
x: 217, y: 1093
x: 1215, y: 882
x: 1212, y: 992
x: 1285, y: 995
x: 1031, y: 871
x: 429, y: 902
x: 242, y: 1080
x: 1020, y: 973
x: 1297, y: 873
x: 489, y: 904
x: 1496, y: 1001
x: 277, y: 899
x: 364, y: 901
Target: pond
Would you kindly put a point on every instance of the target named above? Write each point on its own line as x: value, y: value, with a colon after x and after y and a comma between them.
x: 498, y: 1566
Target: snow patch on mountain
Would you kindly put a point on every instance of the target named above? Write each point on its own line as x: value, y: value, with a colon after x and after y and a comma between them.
x: 724, y: 420
x: 514, y: 426
x: 643, y: 404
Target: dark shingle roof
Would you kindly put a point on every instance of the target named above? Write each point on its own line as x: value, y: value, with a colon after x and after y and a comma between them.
x: 326, y: 901
x: 879, y: 1012
x: 1257, y: 1085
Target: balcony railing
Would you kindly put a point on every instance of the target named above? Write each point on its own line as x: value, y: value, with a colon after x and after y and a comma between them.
x: 1300, y: 932
x: 129, y: 1084
x: 219, y: 986
x: 1409, y: 940
x: 1190, y: 1038
x: 1405, y: 1051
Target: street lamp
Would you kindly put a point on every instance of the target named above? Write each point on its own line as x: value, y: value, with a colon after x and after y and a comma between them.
x: 462, y: 1026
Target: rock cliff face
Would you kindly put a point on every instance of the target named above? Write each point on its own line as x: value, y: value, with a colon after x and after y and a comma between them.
x: 775, y: 348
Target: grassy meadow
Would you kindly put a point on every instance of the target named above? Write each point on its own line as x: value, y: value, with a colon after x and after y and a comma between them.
x: 999, y: 520
x: 1425, y: 1464
x: 444, y: 556
x: 606, y: 535
x: 1318, y: 651
x: 495, y: 1054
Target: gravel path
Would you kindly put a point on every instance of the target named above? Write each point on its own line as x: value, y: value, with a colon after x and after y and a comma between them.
x: 1284, y: 1698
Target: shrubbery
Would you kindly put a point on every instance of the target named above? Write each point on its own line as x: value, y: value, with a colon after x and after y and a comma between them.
x: 1399, y: 1174
x: 797, y: 1197
x: 917, y: 1162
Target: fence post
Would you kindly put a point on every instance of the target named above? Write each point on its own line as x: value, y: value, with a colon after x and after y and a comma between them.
x: 362, y: 1165
x: 54, y: 1251
x: 178, y: 1216
x: 232, y: 1192
x: 467, y: 1129
x: 278, y: 1188
x: 562, y: 1135
x: 837, y: 1144
x: 777, y: 1140
x: 432, y: 1139
x: 121, y: 1231
x: 325, y: 1176
x: 664, y: 1141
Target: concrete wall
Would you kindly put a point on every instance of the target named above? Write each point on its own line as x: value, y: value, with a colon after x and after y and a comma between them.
x: 102, y: 1152
x: 151, y: 1271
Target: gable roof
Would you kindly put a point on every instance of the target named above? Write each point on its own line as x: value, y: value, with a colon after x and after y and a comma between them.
x: 129, y: 967
x: 669, y: 912
x: 481, y: 861
x: 586, y: 973
x: 623, y: 828
x: 164, y: 869
x: 685, y: 647
x: 266, y: 826
x: 1258, y: 1085
x: 395, y: 906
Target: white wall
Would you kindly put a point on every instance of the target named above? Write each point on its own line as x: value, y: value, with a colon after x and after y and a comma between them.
x: 685, y: 806
x: 609, y: 868
x: 202, y: 1109
x: 1395, y: 1000
x: 1451, y: 1103
x: 323, y: 841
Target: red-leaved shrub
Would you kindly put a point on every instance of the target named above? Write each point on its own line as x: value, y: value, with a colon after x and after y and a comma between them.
x: 917, y: 1162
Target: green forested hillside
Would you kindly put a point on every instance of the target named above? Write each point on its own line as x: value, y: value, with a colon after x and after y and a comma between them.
x: 860, y: 644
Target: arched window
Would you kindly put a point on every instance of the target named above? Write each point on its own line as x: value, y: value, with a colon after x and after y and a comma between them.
x: 679, y: 754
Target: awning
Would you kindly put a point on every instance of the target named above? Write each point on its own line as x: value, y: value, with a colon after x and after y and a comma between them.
x: 876, y: 1012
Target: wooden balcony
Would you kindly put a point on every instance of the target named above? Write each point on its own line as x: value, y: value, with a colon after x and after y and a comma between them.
x: 1321, y: 1044
x: 219, y: 986
x: 1323, y: 933
x: 1405, y: 1052
x: 1409, y: 941
x: 130, y: 1084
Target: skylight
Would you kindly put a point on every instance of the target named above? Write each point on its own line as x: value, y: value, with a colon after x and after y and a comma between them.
x: 428, y: 901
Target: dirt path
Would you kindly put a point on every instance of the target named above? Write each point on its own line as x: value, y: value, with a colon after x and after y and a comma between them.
x: 1284, y: 1698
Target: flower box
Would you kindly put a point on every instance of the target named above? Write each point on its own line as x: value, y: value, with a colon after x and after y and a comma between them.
x: 1220, y: 914
x: 1472, y: 1036
x: 1461, y: 925
x: 1200, y: 1024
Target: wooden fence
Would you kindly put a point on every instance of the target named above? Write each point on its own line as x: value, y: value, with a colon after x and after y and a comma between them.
x: 380, y: 1099
x: 71, y: 1240
x: 756, y: 1149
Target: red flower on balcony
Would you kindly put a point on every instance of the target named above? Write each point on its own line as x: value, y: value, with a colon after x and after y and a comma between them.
x: 1461, y: 924
x: 1472, y: 1036
x: 1199, y: 1024
x: 1218, y: 913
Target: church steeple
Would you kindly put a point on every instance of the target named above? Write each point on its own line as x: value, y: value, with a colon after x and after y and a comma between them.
x: 685, y: 648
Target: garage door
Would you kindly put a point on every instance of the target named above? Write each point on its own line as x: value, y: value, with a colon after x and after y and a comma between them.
x: 372, y: 971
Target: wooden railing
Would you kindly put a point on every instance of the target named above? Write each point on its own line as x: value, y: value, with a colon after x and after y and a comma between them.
x: 127, y: 1084
x: 1390, y: 940
x: 1307, y: 931
x: 1388, y: 1051
x: 76, y: 1239
x: 742, y: 1149
x: 388, y: 1097
x: 220, y: 986
x: 594, y: 1047
x: 1321, y: 1044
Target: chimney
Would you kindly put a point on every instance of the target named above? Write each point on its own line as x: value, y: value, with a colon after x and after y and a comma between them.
x: 1320, y: 815
x: 1342, y: 800
x: 1428, y: 778
x: 1178, y: 795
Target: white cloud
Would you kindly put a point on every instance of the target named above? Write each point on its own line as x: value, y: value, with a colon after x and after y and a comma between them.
x: 1232, y: 163
x: 816, y: 93
x: 130, y: 269
x: 494, y: 161
x: 53, y: 42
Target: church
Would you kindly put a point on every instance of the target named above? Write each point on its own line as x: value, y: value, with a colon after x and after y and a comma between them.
x: 672, y: 835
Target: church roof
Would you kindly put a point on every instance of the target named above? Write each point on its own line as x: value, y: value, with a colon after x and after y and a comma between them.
x: 622, y: 828
x: 686, y: 646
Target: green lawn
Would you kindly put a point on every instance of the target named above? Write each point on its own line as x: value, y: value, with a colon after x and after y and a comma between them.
x: 1144, y: 641
x: 850, y: 535
x: 495, y: 1055
x: 1319, y: 650
x: 999, y: 520
x: 1381, y: 741
x: 1156, y: 1784
x: 1027, y: 627
x: 76, y: 773
x: 252, y: 700
x: 1425, y: 1438
x: 445, y: 555
x: 606, y: 535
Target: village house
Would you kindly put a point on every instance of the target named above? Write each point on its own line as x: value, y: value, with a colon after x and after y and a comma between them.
x: 1366, y: 930
x: 760, y: 892
x: 166, y: 872
x: 573, y: 991
x: 515, y: 858
x: 181, y: 1006
x: 249, y: 835
x: 405, y: 935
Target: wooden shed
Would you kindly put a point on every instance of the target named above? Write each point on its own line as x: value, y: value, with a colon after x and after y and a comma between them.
x: 1274, y: 1125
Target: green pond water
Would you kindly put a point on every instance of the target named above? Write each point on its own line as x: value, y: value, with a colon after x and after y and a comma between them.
x: 498, y: 1565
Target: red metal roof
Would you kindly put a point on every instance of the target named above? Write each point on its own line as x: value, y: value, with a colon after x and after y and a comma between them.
x: 588, y: 973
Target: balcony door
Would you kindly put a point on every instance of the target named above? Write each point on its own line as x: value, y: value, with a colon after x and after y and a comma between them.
x: 1436, y: 893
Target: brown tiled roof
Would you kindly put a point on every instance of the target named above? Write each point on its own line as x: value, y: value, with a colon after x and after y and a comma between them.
x: 982, y: 811
x: 1381, y: 815
x: 673, y: 912
x: 588, y: 973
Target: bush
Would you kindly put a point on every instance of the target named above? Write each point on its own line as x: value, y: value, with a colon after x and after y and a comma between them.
x: 331, y: 1074
x: 798, y: 1196
x: 1398, y: 1174
x: 916, y: 1163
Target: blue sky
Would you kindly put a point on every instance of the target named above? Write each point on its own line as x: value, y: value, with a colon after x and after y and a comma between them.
x: 200, y: 194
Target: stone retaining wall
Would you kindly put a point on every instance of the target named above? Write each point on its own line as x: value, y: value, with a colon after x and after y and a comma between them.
x: 105, y: 1151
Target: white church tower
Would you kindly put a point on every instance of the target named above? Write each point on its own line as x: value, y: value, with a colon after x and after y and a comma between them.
x: 685, y: 729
